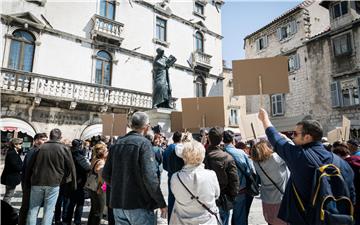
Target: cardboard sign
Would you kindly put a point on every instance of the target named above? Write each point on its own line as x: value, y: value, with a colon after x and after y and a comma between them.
x: 251, y: 124
x: 114, y: 124
x: 334, y: 135
x: 273, y: 72
x: 176, y: 121
x: 345, y: 129
x: 120, y: 124
x: 203, y: 112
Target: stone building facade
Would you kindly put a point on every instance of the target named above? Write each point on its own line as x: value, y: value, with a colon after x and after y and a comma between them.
x: 334, y: 62
x: 235, y: 106
x: 64, y: 63
x: 323, y: 65
x: 287, y: 35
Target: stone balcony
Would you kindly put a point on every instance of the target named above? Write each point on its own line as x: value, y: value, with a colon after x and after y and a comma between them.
x: 201, y: 59
x: 107, y: 29
x: 59, y: 89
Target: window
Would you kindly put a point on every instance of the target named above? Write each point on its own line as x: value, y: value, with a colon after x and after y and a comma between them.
x: 103, y: 68
x: 345, y: 92
x: 234, y: 117
x: 199, y: 42
x: 342, y: 45
x: 277, y: 104
x: 107, y: 9
x: 261, y: 43
x: 357, y: 6
x: 160, y: 29
x: 21, y: 51
x: 340, y: 9
x: 287, y: 30
x: 199, y: 8
x: 294, y: 62
x: 200, y: 87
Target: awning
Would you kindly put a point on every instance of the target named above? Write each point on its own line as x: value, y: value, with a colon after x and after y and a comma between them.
x: 90, y: 131
x: 12, y: 124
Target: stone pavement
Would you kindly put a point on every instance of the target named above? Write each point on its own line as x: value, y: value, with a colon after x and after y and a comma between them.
x: 255, y: 217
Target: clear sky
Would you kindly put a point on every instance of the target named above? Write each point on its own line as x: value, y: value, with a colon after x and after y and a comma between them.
x: 241, y: 18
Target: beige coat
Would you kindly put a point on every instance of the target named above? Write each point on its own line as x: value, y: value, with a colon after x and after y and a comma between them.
x: 202, y: 183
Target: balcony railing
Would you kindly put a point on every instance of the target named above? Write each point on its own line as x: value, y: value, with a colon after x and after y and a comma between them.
x: 14, y: 81
x: 107, y: 27
x: 201, y: 58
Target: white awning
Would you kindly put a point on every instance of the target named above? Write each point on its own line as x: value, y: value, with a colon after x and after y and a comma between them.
x: 12, y: 124
x: 90, y: 131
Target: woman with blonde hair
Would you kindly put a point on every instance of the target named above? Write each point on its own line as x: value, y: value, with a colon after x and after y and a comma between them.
x: 274, y: 176
x: 97, y: 197
x: 195, y: 189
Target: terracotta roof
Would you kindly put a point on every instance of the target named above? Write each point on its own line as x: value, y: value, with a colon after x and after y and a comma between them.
x: 302, y: 5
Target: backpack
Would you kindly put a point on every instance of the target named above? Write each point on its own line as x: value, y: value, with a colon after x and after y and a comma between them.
x: 330, y: 198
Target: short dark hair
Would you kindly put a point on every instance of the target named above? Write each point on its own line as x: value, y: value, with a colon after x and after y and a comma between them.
x: 177, y: 137
x: 312, y: 128
x: 215, y: 136
x: 40, y: 135
x: 55, y: 134
x: 228, y: 136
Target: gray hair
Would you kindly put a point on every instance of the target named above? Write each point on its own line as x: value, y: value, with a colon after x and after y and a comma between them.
x: 139, y: 120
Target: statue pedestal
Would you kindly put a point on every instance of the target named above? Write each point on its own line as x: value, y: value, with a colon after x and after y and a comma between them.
x: 161, y: 116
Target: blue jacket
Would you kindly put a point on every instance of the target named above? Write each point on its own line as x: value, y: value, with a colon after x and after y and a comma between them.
x: 171, y: 162
x: 242, y: 161
x: 302, y: 171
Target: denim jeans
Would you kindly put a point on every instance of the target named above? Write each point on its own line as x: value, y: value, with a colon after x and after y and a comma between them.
x: 171, y: 201
x: 241, y: 208
x: 61, y: 206
x: 76, y: 201
x: 224, y: 215
x: 134, y: 216
x: 39, y: 194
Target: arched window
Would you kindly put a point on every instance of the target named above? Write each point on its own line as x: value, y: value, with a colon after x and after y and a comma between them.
x: 21, y: 51
x: 107, y: 9
x: 199, y: 42
x: 103, y: 68
x: 200, y: 87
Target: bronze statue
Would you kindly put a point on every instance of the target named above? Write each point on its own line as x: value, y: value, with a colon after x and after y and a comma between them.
x: 161, y: 81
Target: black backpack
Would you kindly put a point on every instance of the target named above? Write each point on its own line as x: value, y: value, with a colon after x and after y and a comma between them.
x: 330, y: 198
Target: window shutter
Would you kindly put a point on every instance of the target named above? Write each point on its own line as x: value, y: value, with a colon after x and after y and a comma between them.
x: 257, y: 45
x: 297, y: 61
x: 334, y: 88
x: 293, y: 27
x: 358, y: 81
x: 278, y: 32
x: 266, y: 41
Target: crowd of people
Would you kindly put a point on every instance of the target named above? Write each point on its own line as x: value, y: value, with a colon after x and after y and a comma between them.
x: 300, y: 180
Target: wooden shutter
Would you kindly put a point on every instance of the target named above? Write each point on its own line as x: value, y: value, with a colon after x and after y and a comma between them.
x: 293, y: 27
x: 278, y: 32
x: 257, y: 44
x: 297, y: 61
x: 334, y: 89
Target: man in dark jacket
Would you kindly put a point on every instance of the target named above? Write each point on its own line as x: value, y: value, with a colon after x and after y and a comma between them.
x: 225, y: 168
x: 307, y: 137
x: 52, y: 166
x: 172, y: 163
x: 39, y: 139
x: 11, y: 175
x: 77, y: 197
x: 131, y: 171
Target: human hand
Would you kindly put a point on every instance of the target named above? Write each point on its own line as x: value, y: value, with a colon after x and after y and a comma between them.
x: 262, y: 115
x: 164, y: 212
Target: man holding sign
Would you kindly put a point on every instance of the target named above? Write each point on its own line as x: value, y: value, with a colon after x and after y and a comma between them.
x: 300, y: 158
